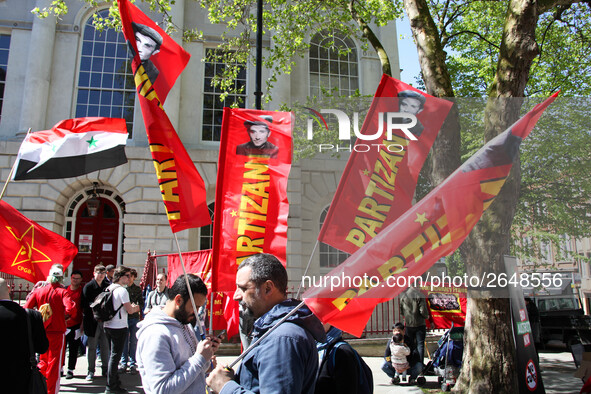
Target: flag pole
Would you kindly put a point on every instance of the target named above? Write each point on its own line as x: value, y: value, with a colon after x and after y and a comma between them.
x: 198, y: 322
x: 270, y: 330
x: 306, y: 271
x: 13, y: 168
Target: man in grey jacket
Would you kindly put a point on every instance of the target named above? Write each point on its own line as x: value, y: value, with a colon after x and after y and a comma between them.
x: 414, y: 309
x: 169, y: 357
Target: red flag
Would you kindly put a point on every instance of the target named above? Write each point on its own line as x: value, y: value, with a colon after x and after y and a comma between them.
x: 28, y: 250
x: 160, y: 61
x: 251, y: 204
x: 431, y: 229
x: 182, y: 188
x: 225, y: 309
x: 378, y: 185
x: 447, y: 305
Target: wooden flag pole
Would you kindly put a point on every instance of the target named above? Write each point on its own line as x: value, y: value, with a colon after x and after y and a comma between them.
x: 198, y: 322
x: 12, y: 169
x: 270, y: 330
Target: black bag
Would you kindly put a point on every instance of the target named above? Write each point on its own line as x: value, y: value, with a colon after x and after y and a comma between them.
x: 102, y: 306
x: 38, y: 382
x: 365, y: 380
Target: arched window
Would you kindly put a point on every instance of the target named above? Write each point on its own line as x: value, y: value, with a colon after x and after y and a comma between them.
x: 329, y: 256
x: 206, y: 235
x: 105, y: 82
x: 333, y: 65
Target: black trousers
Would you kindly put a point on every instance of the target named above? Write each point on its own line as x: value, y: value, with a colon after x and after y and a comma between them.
x: 73, y: 346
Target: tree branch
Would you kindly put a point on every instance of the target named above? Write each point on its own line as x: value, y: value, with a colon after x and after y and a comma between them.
x: 476, y: 34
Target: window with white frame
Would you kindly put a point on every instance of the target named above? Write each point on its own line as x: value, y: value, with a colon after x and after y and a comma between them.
x: 329, y: 256
x: 333, y: 65
x: 105, y: 81
x: 213, y: 107
x: 206, y: 232
x: 4, y: 47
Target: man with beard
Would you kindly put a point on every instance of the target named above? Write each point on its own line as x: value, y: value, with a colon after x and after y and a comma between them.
x: 286, y: 361
x: 169, y: 357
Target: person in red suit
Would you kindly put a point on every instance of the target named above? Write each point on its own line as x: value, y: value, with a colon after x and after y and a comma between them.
x: 62, y: 307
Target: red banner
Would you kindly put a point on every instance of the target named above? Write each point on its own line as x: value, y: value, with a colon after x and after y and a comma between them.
x: 431, y: 229
x: 159, y: 63
x: 225, y: 314
x: 378, y: 185
x: 447, y: 305
x: 160, y: 60
x: 251, y: 204
x: 28, y: 250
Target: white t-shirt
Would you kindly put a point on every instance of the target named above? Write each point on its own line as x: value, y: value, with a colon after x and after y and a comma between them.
x: 120, y: 297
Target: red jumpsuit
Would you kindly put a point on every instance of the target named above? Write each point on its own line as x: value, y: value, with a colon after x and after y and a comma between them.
x: 62, y: 305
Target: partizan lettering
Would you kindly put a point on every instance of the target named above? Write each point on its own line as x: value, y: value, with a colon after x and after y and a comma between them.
x: 254, y: 202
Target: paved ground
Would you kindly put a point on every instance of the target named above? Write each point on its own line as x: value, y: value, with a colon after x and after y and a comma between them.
x: 557, y: 373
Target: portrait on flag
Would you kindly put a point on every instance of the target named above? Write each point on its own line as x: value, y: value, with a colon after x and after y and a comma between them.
x: 157, y: 55
x: 378, y: 185
x: 251, y: 205
x: 431, y: 229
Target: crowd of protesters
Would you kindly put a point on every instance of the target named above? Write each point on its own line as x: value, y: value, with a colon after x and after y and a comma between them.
x: 162, y: 340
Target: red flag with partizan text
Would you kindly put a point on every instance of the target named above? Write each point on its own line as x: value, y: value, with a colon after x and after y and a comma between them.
x: 27, y: 249
x: 251, y: 206
x: 158, y: 60
x: 379, y: 181
x: 431, y: 229
x: 225, y: 313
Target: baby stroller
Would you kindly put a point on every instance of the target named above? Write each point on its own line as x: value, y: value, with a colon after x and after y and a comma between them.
x: 447, y: 359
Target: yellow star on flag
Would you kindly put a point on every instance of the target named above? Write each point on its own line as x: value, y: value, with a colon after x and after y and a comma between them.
x: 28, y: 252
x: 366, y: 172
x: 234, y: 213
x: 421, y: 218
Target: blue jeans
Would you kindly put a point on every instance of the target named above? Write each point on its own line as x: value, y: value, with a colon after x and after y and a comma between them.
x: 414, y: 371
x: 116, y: 337
x: 130, y: 346
x: 417, y: 335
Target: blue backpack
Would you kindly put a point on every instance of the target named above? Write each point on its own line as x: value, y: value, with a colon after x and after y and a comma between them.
x: 365, y: 380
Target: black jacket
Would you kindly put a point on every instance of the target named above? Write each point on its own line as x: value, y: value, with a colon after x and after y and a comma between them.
x: 15, y: 371
x: 89, y: 293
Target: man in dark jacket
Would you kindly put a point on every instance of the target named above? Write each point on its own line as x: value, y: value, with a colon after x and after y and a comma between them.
x: 285, y: 361
x: 15, y: 368
x: 413, y: 307
x: 413, y: 358
x: 93, y: 329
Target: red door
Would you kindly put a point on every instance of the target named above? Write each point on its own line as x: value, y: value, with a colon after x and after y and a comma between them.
x: 97, y: 238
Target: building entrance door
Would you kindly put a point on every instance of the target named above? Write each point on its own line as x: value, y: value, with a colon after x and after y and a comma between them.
x: 97, y: 238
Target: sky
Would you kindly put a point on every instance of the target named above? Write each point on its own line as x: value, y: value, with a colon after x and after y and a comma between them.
x: 409, y: 60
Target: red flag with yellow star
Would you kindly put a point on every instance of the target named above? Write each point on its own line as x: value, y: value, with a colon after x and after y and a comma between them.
x: 27, y: 249
x: 431, y: 229
x: 251, y: 204
x: 380, y: 178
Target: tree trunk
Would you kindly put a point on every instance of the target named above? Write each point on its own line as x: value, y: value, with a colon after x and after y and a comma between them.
x: 488, y: 363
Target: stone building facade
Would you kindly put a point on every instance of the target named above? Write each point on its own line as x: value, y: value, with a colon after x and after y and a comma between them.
x: 59, y: 69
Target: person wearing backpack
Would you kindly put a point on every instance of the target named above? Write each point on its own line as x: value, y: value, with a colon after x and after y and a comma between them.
x: 54, y: 302
x: 116, y: 328
x: 93, y: 329
x: 341, y: 369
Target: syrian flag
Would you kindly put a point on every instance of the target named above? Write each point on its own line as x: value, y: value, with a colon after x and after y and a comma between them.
x: 73, y: 147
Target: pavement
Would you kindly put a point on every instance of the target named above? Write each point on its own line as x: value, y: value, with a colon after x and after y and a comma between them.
x: 557, y: 369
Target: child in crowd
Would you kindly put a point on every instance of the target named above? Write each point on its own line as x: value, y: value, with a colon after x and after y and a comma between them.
x: 399, y: 352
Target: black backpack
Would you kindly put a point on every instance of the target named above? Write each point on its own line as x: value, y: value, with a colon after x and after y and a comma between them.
x: 102, y: 306
x: 365, y: 381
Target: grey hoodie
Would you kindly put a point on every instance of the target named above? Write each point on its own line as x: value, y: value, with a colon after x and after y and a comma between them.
x: 166, y: 356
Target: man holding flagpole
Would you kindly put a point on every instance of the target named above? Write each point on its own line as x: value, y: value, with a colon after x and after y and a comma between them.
x: 286, y: 361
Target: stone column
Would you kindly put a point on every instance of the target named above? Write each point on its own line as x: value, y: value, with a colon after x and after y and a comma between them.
x: 38, y: 71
